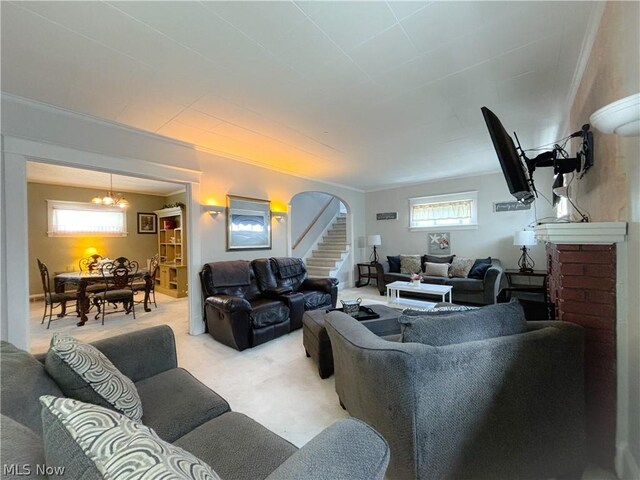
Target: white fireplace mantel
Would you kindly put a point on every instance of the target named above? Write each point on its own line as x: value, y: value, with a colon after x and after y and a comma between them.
x: 596, y: 233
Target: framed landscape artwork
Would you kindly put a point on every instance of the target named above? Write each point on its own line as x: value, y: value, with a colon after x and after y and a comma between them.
x: 248, y: 223
x: 147, y: 223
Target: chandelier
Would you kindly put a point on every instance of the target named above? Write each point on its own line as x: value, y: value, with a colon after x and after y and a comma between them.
x: 111, y: 200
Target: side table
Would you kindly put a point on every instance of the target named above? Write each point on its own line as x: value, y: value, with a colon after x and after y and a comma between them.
x: 531, y: 289
x: 515, y: 280
x: 366, y: 271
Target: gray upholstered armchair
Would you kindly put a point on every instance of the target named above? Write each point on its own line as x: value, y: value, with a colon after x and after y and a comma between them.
x: 507, y: 407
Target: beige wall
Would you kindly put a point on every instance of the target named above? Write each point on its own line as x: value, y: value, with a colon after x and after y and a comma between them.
x: 178, y: 197
x: 63, y: 253
x: 611, y: 191
x: 612, y: 73
x: 493, y: 236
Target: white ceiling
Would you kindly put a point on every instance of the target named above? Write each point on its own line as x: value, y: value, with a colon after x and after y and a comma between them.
x: 76, y: 177
x: 366, y: 94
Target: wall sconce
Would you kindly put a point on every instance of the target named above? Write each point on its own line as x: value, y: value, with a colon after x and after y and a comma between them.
x: 621, y: 117
x: 213, y: 210
x: 279, y: 216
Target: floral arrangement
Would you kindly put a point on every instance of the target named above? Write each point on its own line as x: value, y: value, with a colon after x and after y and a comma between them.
x: 416, y: 278
x: 174, y: 205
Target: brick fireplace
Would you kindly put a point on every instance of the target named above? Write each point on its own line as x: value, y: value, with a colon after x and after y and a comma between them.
x: 582, y: 284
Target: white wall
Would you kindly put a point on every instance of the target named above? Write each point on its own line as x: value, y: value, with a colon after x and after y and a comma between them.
x: 493, y: 236
x: 304, y: 209
x: 50, y: 133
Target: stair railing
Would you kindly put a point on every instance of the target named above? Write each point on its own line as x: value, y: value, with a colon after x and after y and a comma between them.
x: 313, y: 222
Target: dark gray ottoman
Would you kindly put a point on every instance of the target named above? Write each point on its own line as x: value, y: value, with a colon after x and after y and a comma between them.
x: 316, y: 341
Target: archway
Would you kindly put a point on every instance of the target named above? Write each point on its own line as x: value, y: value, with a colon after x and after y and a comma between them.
x: 320, y: 231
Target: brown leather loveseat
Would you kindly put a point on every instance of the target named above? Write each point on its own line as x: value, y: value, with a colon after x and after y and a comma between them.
x: 248, y: 303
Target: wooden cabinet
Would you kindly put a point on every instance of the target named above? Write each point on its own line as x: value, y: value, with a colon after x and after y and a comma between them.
x: 172, y: 248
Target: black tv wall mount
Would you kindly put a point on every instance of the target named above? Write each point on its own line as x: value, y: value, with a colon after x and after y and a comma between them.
x: 558, y: 159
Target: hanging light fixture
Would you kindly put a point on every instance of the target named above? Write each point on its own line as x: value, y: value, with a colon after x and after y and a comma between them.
x: 111, y: 200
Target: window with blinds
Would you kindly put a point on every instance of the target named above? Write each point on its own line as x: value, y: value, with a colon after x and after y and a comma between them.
x: 457, y: 209
x: 77, y: 219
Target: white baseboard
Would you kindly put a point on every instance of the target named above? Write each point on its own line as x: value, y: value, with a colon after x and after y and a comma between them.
x: 626, y: 465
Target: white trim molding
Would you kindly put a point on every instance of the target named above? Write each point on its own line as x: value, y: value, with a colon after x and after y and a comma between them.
x: 596, y: 233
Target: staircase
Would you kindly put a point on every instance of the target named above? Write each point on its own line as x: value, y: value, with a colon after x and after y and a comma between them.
x: 331, y: 251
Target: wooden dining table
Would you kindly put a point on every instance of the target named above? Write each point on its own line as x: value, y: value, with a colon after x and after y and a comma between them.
x: 83, y: 279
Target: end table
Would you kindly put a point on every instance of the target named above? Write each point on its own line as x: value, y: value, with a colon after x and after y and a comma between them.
x: 366, y: 271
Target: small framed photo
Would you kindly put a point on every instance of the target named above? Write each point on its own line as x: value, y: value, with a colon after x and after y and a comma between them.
x: 147, y: 223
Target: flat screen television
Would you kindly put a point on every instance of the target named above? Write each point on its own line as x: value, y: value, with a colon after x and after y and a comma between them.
x: 512, y: 167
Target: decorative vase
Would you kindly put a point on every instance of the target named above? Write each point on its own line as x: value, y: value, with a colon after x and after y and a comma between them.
x: 415, y: 282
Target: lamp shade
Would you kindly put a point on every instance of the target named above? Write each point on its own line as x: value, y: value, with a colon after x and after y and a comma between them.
x: 524, y: 238
x: 374, y: 240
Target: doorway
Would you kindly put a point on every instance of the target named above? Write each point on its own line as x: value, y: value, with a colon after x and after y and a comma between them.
x: 320, y: 232
x: 82, y: 219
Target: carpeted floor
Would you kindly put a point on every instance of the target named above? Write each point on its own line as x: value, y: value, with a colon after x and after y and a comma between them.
x: 275, y: 383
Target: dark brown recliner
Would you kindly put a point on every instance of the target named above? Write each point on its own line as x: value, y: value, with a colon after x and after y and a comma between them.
x: 236, y: 312
x: 289, y: 275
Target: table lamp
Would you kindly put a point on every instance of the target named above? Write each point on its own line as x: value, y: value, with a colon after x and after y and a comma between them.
x: 374, y: 241
x: 525, y: 238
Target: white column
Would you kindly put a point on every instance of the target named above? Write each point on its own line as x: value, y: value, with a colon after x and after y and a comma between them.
x: 194, y: 255
x: 14, y: 275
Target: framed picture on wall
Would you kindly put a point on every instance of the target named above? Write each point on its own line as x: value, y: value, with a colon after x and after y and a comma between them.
x: 147, y: 223
x: 439, y: 243
x: 248, y: 223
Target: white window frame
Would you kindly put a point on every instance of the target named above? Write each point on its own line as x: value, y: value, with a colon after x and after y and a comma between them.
x: 449, y: 197
x: 61, y: 204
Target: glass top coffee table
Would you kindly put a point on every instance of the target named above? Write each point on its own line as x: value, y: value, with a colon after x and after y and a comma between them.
x: 395, y: 301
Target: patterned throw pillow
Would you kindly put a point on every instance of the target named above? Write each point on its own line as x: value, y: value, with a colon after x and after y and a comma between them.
x: 84, y: 373
x: 436, y: 269
x: 410, y: 264
x: 417, y: 312
x: 95, y: 442
x: 460, y: 267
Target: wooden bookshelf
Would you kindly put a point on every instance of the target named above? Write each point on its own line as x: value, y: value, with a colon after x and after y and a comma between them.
x: 172, y: 248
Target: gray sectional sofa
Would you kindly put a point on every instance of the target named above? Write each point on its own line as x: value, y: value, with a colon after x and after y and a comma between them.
x: 507, y: 407
x: 185, y: 412
x: 464, y: 290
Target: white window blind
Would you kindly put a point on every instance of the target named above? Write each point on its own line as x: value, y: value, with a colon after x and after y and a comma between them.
x: 458, y: 209
x: 76, y: 219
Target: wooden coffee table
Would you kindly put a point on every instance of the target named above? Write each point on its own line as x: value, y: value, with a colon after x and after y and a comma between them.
x: 394, y: 300
x: 316, y: 340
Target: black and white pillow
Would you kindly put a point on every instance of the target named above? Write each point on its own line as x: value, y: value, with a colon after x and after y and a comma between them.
x: 84, y: 373
x: 413, y: 312
x: 95, y: 442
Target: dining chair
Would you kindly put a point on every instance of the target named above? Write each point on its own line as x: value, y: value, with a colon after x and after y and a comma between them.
x: 118, y: 277
x: 51, y: 298
x: 141, y: 285
x: 91, y: 264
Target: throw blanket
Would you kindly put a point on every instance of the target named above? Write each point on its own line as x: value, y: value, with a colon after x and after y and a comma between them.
x: 290, y: 267
x: 230, y: 274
